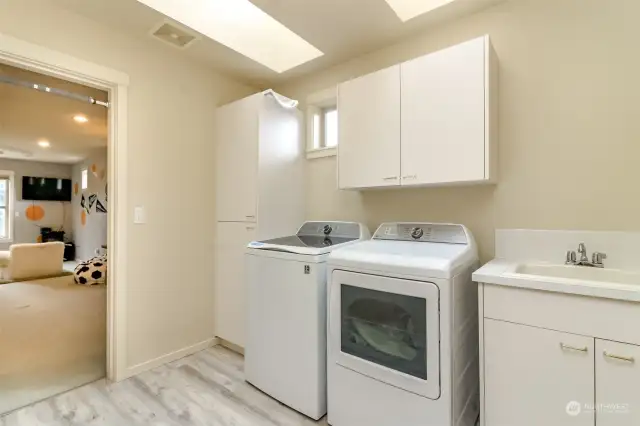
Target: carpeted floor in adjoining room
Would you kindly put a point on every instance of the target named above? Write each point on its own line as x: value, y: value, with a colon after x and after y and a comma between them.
x: 52, y: 339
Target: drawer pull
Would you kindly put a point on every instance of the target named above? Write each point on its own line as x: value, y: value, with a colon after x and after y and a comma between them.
x: 573, y: 348
x: 250, y: 216
x: 619, y: 357
x: 391, y: 178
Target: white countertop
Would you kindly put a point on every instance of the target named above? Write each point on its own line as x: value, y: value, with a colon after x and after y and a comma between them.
x: 502, y: 272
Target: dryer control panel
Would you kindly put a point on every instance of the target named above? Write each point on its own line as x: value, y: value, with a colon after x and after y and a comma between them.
x: 422, y: 232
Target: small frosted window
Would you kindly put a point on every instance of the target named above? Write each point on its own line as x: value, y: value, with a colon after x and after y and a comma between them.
x: 85, y: 178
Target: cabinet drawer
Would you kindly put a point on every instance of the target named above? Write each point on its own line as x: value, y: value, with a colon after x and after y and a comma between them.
x: 603, y: 318
x: 617, y: 383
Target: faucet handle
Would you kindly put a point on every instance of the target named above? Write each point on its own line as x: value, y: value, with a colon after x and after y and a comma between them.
x: 597, y: 257
x: 571, y: 257
x: 582, y: 251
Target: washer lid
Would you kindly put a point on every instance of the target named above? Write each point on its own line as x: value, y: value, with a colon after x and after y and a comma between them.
x: 440, y: 251
x: 314, y: 238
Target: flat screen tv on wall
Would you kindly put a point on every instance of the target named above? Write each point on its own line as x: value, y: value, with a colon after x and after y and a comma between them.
x: 46, y: 189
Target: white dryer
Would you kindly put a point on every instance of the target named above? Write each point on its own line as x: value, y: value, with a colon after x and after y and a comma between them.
x: 403, y: 328
x: 285, y: 353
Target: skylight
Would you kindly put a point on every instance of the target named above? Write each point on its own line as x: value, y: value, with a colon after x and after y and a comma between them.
x: 408, y: 9
x: 243, y: 27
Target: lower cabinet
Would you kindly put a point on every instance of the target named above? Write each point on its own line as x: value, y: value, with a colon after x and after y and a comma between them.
x: 230, y: 287
x: 617, y: 384
x: 536, y: 377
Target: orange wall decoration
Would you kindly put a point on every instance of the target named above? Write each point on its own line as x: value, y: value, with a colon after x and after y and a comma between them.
x: 83, y: 217
x: 34, y: 212
x: 75, y: 188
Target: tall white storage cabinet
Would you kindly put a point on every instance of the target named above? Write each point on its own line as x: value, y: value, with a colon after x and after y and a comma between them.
x: 260, y: 194
x: 428, y: 121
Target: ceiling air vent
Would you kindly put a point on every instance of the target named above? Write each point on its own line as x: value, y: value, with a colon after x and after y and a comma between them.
x: 175, y: 35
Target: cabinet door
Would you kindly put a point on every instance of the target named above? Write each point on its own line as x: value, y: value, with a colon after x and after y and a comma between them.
x: 230, y: 287
x: 617, y: 384
x: 237, y: 160
x: 537, y: 377
x: 443, y: 116
x: 369, y: 130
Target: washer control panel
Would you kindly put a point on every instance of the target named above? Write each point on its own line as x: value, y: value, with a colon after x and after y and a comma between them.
x: 422, y: 232
x: 331, y: 229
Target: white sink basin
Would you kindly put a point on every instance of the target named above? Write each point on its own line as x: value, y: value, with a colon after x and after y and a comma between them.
x: 580, y: 273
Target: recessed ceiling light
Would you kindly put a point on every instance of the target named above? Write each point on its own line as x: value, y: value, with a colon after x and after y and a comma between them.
x: 407, y: 9
x: 243, y: 27
x: 80, y: 118
x: 43, y: 143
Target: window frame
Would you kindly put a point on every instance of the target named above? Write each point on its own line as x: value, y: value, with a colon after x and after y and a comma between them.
x: 318, y: 104
x: 10, y: 200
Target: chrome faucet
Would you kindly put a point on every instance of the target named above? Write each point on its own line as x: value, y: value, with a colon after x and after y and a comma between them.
x: 582, y: 251
x: 596, y: 258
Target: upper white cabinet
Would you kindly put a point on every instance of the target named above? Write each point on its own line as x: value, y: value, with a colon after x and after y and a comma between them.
x: 428, y: 121
x: 369, y: 124
x: 237, y: 164
x: 444, y: 129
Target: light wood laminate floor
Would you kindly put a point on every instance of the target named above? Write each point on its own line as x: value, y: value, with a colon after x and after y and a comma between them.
x: 207, y: 388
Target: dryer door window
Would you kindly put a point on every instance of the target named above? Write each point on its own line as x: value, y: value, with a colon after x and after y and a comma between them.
x: 385, y: 328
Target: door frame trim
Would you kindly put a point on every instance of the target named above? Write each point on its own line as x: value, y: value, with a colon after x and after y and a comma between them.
x: 40, y: 59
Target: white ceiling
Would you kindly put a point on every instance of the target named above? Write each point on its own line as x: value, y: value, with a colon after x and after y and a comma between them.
x: 342, y: 29
x: 28, y: 115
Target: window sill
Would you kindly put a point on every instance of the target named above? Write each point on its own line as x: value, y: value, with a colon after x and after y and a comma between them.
x: 321, y: 152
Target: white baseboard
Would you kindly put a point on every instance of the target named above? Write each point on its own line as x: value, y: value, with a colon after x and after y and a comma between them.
x: 232, y: 346
x: 161, y: 360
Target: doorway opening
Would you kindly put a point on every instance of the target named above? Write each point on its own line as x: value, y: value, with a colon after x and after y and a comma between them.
x: 96, y: 173
x: 53, y: 235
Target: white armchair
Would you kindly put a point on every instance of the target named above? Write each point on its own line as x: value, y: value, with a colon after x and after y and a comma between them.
x: 25, y: 261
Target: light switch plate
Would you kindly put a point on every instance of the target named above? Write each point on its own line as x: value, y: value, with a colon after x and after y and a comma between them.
x: 139, y: 215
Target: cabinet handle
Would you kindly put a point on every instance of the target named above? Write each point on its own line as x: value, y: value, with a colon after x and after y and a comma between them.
x: 410, y: 177
x: 250, y: 216
x: 619, y: 357
x: 250, y: 228
x: 573, y: 348
x: 391, y: 178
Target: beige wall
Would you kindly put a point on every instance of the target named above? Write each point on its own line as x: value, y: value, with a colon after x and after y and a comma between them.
x: 91, y: 235
x: 56, y: 214
x: 569, y: 128
x: 171, y: 105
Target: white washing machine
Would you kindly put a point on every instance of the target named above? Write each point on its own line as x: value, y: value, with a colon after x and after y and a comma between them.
x: 285, y: 353
x: 403, y: 328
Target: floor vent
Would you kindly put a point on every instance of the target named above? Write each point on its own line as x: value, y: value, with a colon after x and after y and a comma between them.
x: 175, y: 35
